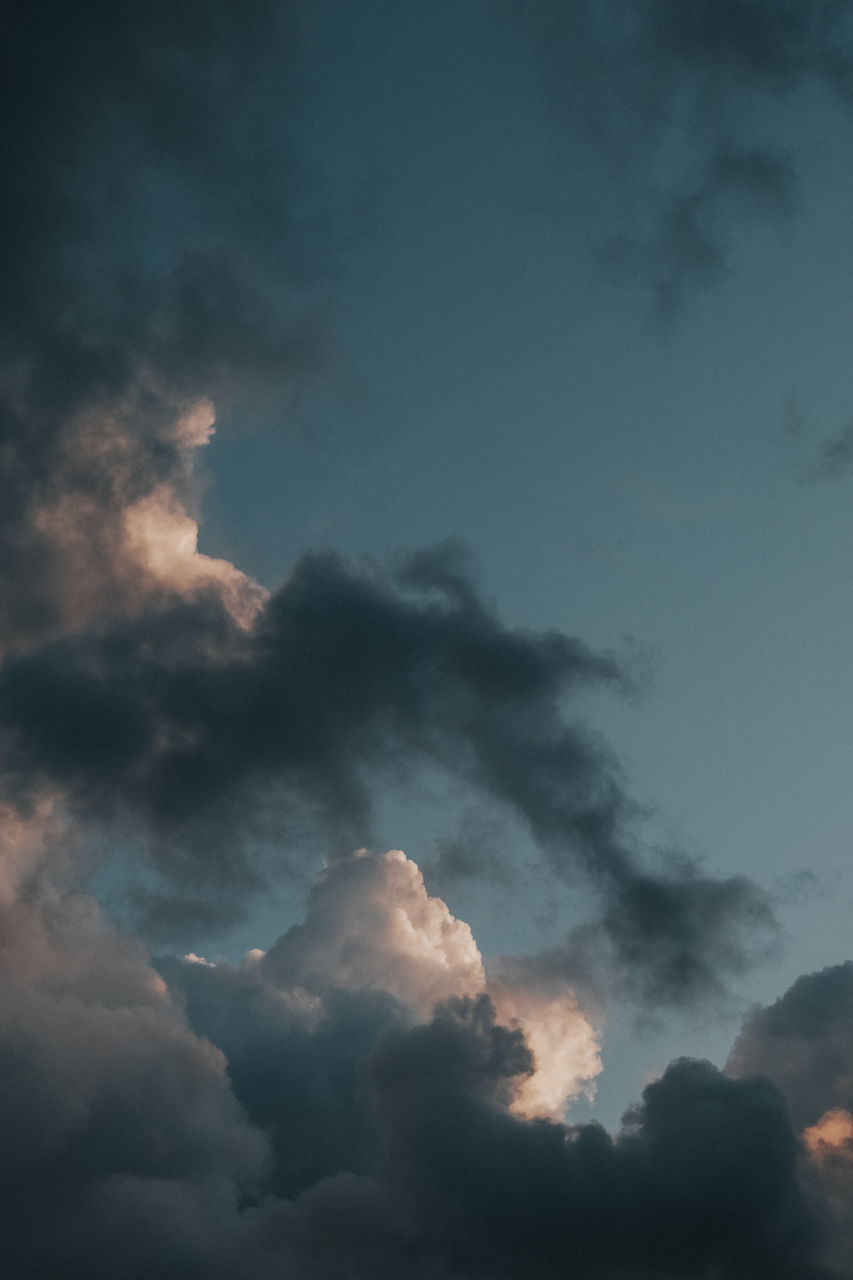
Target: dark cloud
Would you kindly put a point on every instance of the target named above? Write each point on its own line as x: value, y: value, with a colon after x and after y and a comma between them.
x: 804, y: 1043
x: 301, y: 1114
x: 663, y: 113
x: 300, y: 1076
x: 434, y: 1175
x: 476, y: 851
x: 835, y: 455
x: 688, y: 244
x: 107, y: 1098
x: 758, y: 41
x: 159, y: 241
x: 701, y: 1180
x: 346, y: 1104
x: 185, y: 721
x: 161, y: 693
x: 816, y: 459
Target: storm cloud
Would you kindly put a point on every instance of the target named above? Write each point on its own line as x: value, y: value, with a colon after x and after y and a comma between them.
x: 344, y: 680
x: 237, y: 1121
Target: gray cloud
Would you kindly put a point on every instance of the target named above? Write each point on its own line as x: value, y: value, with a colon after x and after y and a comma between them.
x: 804, y: 1043
x: 701, y: 1180
x: 180, y: 723
x: 162, y: 244
x: 659, y: 113
x: 835, y: 455
x: 294, y: 1114
x: 160, y: 240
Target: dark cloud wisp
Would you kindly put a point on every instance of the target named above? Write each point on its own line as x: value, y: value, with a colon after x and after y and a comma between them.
x: 663, y: 114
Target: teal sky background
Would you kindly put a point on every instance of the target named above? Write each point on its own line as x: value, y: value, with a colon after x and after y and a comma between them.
x: 652, y: 486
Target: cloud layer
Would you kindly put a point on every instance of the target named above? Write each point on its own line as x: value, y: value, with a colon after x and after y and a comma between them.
x: 309, y: 1110
x: 366, y: 1098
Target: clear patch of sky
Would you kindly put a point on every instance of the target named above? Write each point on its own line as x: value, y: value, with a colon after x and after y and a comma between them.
x: 610, y: 478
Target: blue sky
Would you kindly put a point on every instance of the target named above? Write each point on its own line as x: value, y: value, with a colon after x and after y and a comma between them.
x: 652, y: 486
x: 497, y: 353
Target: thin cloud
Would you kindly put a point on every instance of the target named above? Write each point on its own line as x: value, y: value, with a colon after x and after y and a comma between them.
x: 655, y: 113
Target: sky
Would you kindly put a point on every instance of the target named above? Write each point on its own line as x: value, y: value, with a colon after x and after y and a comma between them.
x: 426, y: 450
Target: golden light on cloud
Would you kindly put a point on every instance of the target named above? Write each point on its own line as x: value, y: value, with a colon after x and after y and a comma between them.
x: 832, y: 1135
x: 564, y: 1045
x: 373, y: 926
x: 163, y: 539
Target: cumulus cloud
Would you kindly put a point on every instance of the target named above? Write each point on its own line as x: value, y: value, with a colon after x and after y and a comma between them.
x: 832, y: 1135
x: 191, y: 722
x: 153, y: 256
x: 802, y: 1042
x: 371, y: 926
x: 106, y: 1093
x: 206, y: 1120
x: 374, y: 941
x: 159, y: 258
x: 364, y: 1097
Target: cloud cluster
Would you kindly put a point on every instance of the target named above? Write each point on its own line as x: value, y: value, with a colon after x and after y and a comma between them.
x: 804, y: 1044
x: 309, y: 1113
x: 153, y: 252
x: 158, y: 246
x: 119, y: 1123
x: 364, y: 1098
x: 189, y: 718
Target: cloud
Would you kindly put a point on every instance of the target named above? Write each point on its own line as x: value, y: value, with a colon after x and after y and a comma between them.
x: 833, y: 1134
x: 292, y: 1114
x: 161, y: 247
x: 364, y: 1098
x: 835, y: 455
x: 106, y: 1093
x: 398, y: 1134
x: 371, y: 926
x: 701, y: 1180
x: 803, y: 1042
x: 375, y: 951
x: 190, y: 720
x: 664, y: 117
x: 159, y: 243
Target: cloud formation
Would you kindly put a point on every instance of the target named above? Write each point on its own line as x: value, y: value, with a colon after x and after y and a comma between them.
x: 190, y: 716
x: 802, y: 1043
x: 664, y: 115
x: 285, y: 1115
x: 153, y: 253
x: 159, y: 253
x: 365, y: 1098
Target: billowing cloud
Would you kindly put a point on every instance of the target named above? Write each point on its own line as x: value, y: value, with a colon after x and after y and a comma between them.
x: 371, y: 926
x: 365, y: 1097
x: 831, y: 1135
x: 153, y: 256
x: 376, y: 944
x: 106, y: 1095
x: 294, y: 1113
x: 804, y: 1043
x: 159, y: 261
x: 188, y: 719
